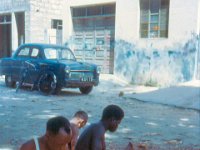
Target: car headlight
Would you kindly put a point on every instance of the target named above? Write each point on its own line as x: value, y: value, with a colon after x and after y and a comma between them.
x: 98, y: 69
x: 67, y: 69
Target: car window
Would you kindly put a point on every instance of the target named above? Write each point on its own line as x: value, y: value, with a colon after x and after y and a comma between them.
x: 24, y: 52
x: 34, y: 52
x: 59, y: 54
x: 66, y: 54
x: 50, y: 53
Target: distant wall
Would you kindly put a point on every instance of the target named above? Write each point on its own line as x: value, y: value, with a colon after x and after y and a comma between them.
x: 157, y: 61
x: 41, y: 15
x: 156, y: 67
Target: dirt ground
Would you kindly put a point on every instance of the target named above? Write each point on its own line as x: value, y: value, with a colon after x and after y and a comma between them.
x: 149, y: 126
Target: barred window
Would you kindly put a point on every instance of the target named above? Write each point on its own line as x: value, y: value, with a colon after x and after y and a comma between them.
x: 93, y: 11
x: 154, y: 17
x: 6, y: 18
x: 56, y: 24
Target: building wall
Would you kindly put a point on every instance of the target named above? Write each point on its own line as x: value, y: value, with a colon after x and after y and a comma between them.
x: 68, y: 29
x: 161, y: 61
x: 12, y: 6
x: 41, y: 14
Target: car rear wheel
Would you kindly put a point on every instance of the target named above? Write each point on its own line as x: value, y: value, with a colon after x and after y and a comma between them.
x: 86, y: 90
x: 9, y: 82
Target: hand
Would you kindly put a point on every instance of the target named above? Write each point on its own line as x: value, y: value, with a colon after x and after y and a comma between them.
x: 129, y: 146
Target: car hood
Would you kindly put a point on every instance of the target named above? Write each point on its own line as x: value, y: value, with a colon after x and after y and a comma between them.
x: 75, y: 65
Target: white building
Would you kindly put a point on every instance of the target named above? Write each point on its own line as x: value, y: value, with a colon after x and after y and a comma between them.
x: 152, y: 42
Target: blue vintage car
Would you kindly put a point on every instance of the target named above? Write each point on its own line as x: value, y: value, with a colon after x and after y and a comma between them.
x: 48, y: 68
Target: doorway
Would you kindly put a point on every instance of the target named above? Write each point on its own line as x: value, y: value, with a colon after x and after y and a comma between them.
x: 94, y: 32
x: 5, y: 35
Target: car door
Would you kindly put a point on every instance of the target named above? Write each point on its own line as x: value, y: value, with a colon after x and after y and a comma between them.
x: 35, y: 59
x: 22, y: 55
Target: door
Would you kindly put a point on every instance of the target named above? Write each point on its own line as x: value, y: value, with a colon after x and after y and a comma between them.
x: 18, y: 65
x: 5, y: 40
x: 94, y: 32
x: 96, y: 46
x: 5, y: 35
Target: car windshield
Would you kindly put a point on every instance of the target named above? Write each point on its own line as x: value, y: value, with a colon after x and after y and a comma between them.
x: 58, y: 54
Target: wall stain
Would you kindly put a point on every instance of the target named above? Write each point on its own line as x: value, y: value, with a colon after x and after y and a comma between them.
x: 157, y: 67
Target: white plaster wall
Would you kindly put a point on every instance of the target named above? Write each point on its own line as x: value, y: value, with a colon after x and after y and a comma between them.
x: 160, y: 61
x: 183, y: 21
x: 127, y: 20
x: 27, y: 27
x: 67, y: 23
x: 198, y: 47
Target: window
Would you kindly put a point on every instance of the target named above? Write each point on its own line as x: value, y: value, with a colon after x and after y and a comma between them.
x: 89, y: 11
x: 79, y: 12
x: 56, y: 24
x: 94, y: 11
x: 5, y: 18
x: 34, y: 52
x: 154, y: 18
x: 24, y: 52
x: 50, y: 53
x: 59, y: 54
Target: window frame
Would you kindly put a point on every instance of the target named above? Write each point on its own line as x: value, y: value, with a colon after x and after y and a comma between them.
x: 38, y: 54
x: 57, y: 24
x: 149, y: 22
x: 24, y: 56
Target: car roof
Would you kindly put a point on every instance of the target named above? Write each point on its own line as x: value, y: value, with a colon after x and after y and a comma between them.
x: 42, y: 45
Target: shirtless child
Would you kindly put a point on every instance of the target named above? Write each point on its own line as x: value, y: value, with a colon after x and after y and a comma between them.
x: 78, y: 121
x: 57, y: 136
x: 93, y: 138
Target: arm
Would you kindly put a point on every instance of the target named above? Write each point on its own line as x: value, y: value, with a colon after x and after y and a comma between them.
x: 73, y: 142
x: 75, y: 133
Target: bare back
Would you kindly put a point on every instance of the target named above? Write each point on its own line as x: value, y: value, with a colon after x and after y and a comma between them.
x: 92, y: 138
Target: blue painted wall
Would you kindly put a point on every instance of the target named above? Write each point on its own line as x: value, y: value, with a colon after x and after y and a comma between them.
x: 155, y: 67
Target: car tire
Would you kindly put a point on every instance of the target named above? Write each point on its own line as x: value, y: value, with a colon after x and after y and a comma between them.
x: 9, y: 82
x: 86, y: 90
x: 45, y: 83
x: 57, y: 90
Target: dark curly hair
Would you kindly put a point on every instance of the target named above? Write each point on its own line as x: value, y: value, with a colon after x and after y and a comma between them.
x: 54, y: 124
x: 112, y: 111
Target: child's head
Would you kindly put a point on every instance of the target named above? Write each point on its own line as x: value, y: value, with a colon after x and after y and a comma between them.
x: 82, y: 118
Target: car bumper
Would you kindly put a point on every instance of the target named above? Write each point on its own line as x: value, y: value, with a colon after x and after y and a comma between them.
x: 81, y: 79
x: 79, y: 83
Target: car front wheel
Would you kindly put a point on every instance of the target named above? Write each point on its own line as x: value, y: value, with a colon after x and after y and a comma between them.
x: 46, y: 83
x: 9, y: 82
x: 86, y: 90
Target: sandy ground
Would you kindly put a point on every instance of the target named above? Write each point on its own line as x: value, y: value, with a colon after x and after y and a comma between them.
x: 24, y: 114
